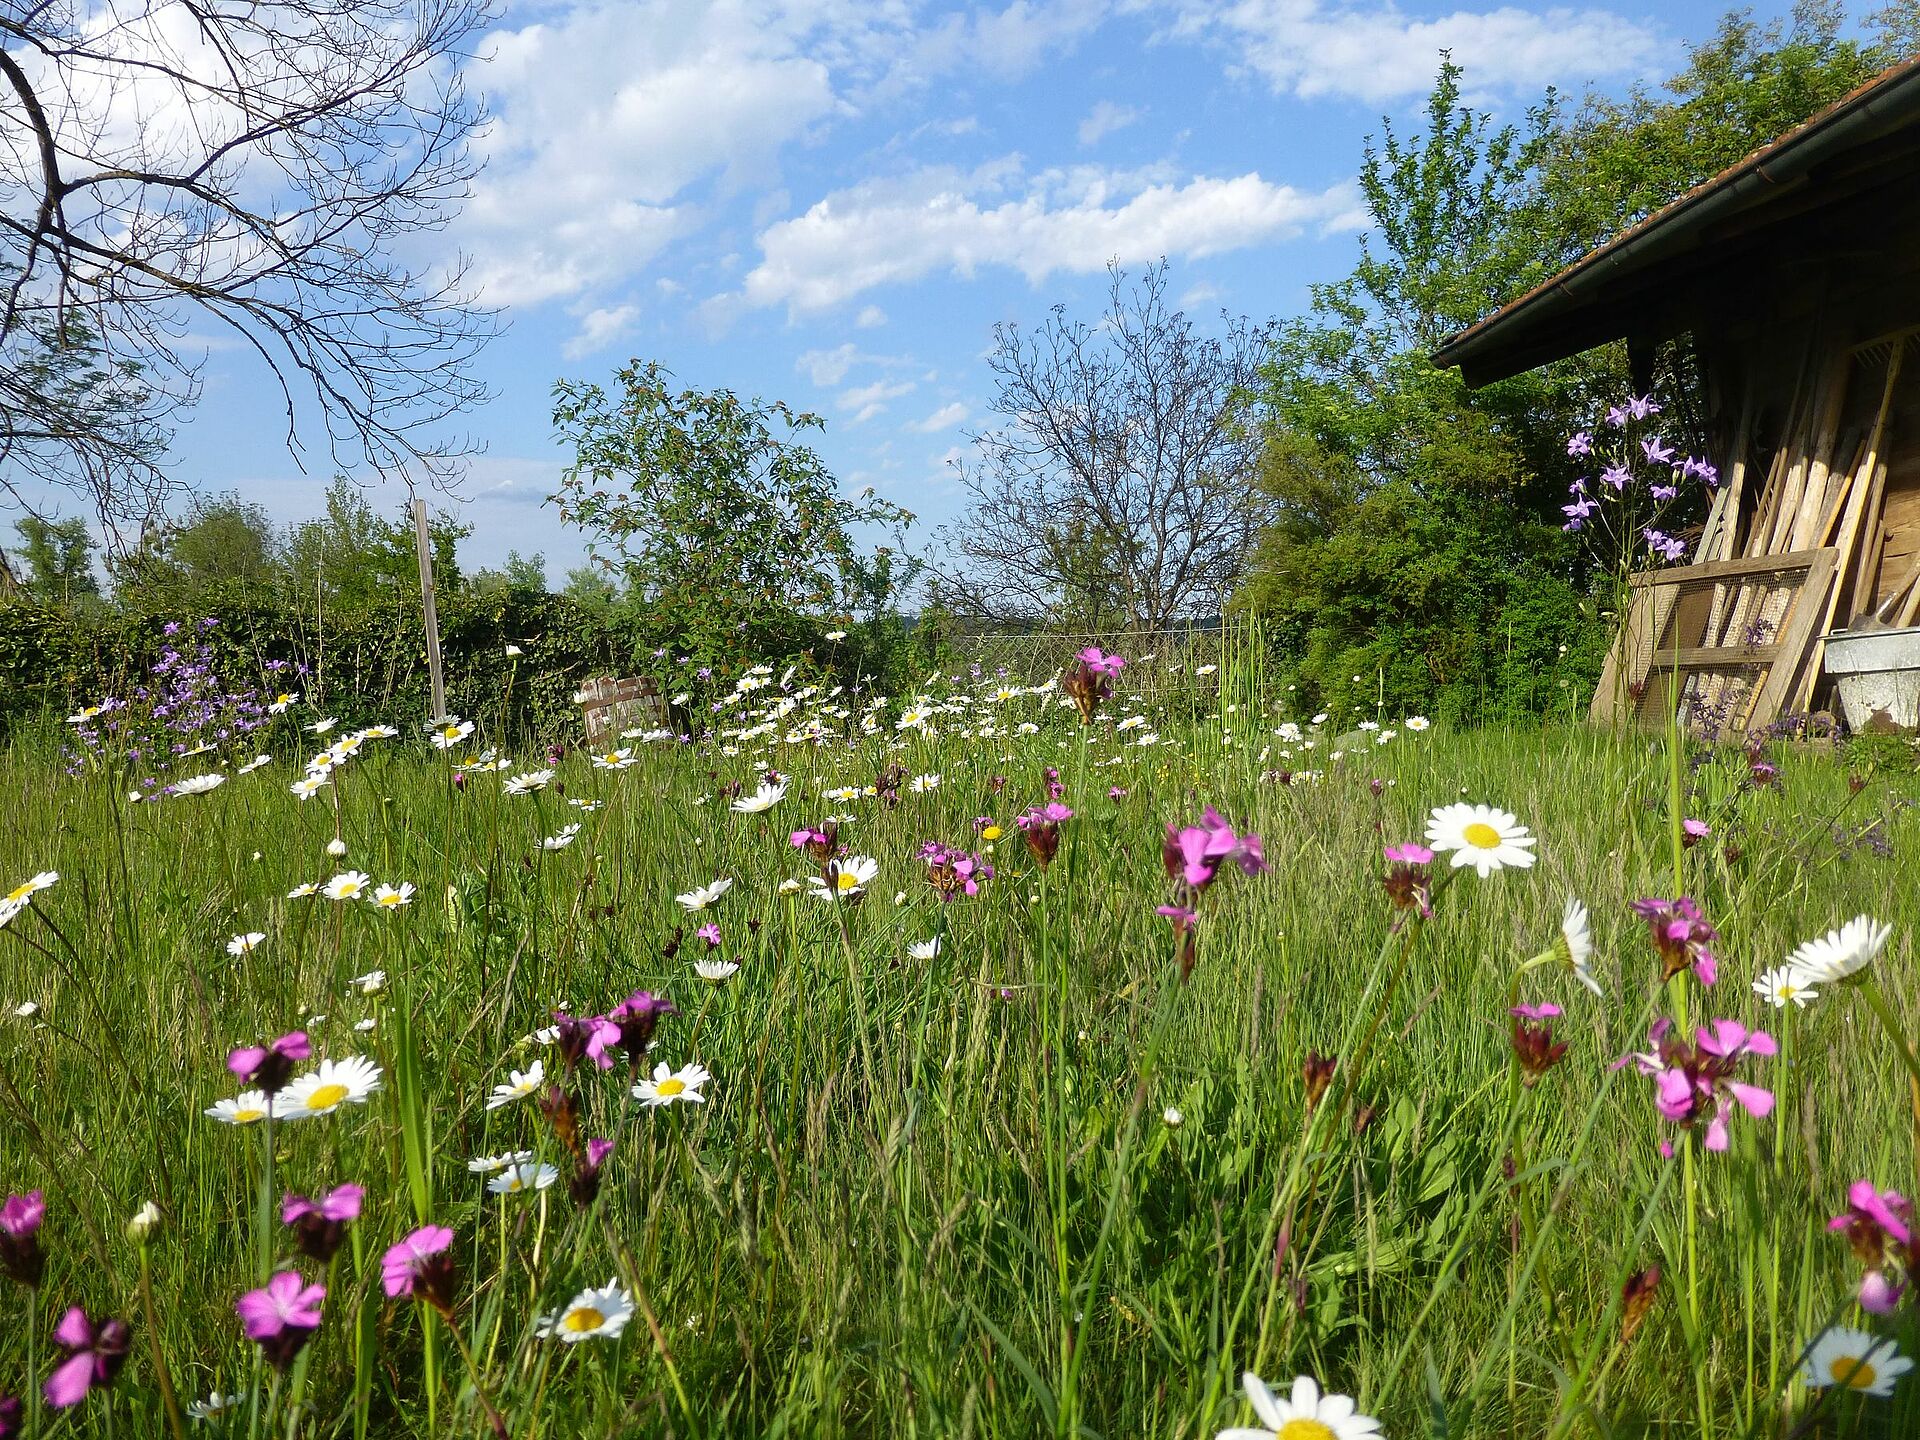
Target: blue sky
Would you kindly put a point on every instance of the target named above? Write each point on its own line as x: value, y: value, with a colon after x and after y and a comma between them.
x: 832, y: 202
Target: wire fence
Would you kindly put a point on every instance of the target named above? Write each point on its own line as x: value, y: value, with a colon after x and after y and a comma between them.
x: 1176, y: 659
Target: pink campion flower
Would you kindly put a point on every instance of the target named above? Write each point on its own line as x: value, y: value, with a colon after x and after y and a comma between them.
x: 1873, y: 1218
x: 634, y: 1020
x: 1879, y: 1294
x: 1681, y: 937
x: 10, y: 1422
x: 1193, y: 854
x: 20, y: 1254
x: 1533, y: 1044
x: 710, y: 933
x: 584, y: 1185
x: 1408, y: 882
x: 1101, y: 664
x: 952, y: 871
x: 1041, y: 828
x: 320, y: 1225
x: 1692, y: 832
x: 269, y: 1067
x: 1692, y: 1083
x: 1089, y: 680
x: 281, y: 1316
x: 1117, y: 792
x: 585, y: 1037
x: 420, y: 1267
x: 94, y: 1355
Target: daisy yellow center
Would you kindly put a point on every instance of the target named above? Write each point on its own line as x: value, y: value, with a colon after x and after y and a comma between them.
x: 583, y: 1318
x: 390, y: 900
x: 1852, y: 1371
x: 248, y: 1116
x: 1298, y: 1429
x: 670, y: 1087
x: 20, y: 891
x: 1481, y: 836
x: 325, y: 1097
x: 847, y: 881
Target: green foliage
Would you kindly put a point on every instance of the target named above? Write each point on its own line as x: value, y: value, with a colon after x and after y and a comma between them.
x: 224, y: 541
x: 57, y: 559
x: 358, y: 664
x: 352, y: 556
x: 729, y: 532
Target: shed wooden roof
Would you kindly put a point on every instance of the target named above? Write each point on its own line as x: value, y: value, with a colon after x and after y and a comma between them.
x: 1608, y: 293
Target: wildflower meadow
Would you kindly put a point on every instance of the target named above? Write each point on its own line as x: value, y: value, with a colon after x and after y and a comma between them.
x: 1088, y: 1058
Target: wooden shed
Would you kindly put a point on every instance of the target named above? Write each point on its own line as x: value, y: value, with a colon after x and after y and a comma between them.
x: 1795, y: 277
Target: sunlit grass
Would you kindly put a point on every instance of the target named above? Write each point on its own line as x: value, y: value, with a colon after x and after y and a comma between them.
x: 886, y: 1216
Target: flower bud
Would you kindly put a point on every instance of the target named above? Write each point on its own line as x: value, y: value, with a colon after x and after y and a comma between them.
x: 336, y: 847
x: 145, y: 1222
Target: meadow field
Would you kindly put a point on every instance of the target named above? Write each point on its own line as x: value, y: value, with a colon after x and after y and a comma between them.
x: 941, y: 1065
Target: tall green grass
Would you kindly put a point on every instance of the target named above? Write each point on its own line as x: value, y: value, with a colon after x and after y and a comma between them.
x: 950, y: 1197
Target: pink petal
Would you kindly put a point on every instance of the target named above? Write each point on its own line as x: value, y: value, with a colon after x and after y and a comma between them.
x: 1758, y: 1102
x: 74, y: 1330
x: 69, y: 1384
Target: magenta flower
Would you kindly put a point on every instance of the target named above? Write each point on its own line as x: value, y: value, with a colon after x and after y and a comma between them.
x: 20, y: 1254
x: 320, y: 1225
x: 710, y: 933
x: 1692, y: 832
x: 953, y: 871
x: 1101, y: 664
x: 270, y: 1066
x: 94, y: 1355
x: 1533, y: 1044
x: 1408, y: 882
x: 1193, y: 854
x: 1873, y: 1217
x: 9, y: 1416
x: 420, y: 1267
x: 282, y: 1315
x: 1692, y: 1083
x: 1040, y: 827
x: 1117, y: 792
x: 585, y: 1184
x: 1089, y: 680
x: 1681, y: 937
x: 634, y: 1020
x: 585, y: 1037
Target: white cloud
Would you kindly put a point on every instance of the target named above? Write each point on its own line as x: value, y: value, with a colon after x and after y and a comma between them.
x: 945, y: 418
x: 599, y: 328
x: 827, y: 367
x: 866, y: 401
x: 1105, y: 118
x: 887, y: 232
x: 871, y: 317
x: 1203, y: 293
x: 1376, y: 53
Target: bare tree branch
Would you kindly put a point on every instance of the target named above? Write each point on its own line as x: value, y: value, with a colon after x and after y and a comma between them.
x: 267, y: 166
x: 1119, y: 488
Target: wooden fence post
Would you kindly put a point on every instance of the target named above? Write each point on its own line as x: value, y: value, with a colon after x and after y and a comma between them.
x: 423, y: 548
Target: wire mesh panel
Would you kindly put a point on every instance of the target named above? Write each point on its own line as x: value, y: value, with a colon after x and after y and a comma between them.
x: 1158, y: 660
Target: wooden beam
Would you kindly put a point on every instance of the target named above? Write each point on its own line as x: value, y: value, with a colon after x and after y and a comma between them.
x: 1719, y: 569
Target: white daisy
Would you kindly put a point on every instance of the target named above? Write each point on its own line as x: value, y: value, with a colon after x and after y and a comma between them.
x: 322, y: 725
x: 197, y: 784
x: 1843, y: 952
x: 27, y: 889
x: 924, y: 949
x: 488, y: 1164
x: 519, y: 1179
x: 789, y: 887
x: 923, y: 784
x: 702, y: 896
x: 280, y: 702
x: 1784, y: 985
x: 254, y: 764
x: 378, y: 732
x: 520, y: 1084
x: 715, y: 970
x: 1854, y: 1360
x: 591, y: 1315
x: 450, y: 732
x: 527, y: 782
x: 243, y: 944
x: 1415, y: 723
x: 562, y: 840
x: 347, y: 885
x: 614, y: 759
x: 1480, y: 836
x: 214, y: 1406
x: 1575, y: 944
x: 1305, y: 1414
x: 371, y: 983
x: 365, y: 1027
x: 303, y: 891
x: 764, y: 798
x: 308, y: 786
x: 668, y: 1086
x: 245, y: 1108
x: 322, y: 1091
x: 514, y: 652
x: 846, y: 877
x: 389, y: 898
x: 588, y: 805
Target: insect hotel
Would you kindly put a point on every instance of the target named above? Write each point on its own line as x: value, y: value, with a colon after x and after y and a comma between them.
x: 1791, y: 280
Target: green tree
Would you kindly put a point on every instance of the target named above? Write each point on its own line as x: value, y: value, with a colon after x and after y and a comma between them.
x: 353, y: 556
x: 57, y: 559
x: 729, y: 533
x: 526, y: 574
x: 225, y: 543
x: 592, y: 589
